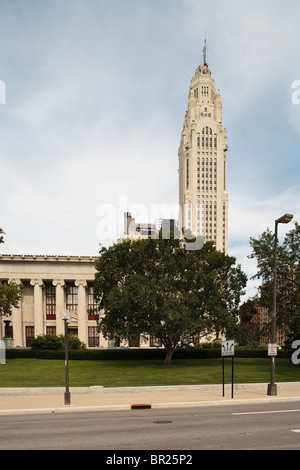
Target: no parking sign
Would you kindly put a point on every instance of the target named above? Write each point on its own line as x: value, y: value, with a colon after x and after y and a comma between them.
x: 272, y: 349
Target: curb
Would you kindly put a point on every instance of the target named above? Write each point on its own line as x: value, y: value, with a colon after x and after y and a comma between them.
x: 98, y: 389
x: 78, y: 409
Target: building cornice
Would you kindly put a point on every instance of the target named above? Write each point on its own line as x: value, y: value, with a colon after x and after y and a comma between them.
x: 48, y: 258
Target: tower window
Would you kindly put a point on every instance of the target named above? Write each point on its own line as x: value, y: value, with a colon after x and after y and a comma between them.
x: 187, y: 174
x: 207, y: 137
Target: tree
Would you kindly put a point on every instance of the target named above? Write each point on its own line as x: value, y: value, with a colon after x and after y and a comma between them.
x: 288, y: 275
x: 1, y: 235
x: 10, y: 294
x: 158, y: 288
x: 248, y: 331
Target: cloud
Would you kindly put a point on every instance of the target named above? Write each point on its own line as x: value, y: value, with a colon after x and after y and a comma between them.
x: 250, y: 217
x: 96, y: 96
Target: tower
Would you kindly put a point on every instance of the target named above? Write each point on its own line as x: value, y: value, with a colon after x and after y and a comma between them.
x: 203, y: 196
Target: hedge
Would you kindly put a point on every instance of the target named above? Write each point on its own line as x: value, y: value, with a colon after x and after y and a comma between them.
x: 139, y: 354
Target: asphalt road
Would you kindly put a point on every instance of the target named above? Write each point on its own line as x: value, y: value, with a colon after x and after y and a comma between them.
x: 273, y: 426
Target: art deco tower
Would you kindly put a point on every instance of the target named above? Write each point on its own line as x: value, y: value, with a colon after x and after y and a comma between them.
x: 202, y: 151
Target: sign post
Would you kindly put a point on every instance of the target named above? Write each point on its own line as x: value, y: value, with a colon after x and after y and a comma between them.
x: 227, y: 350
x: 272, y: 353
x: 2, y: 352
x: 66, y: 317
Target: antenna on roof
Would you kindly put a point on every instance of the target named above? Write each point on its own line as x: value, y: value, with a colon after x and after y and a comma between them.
x: 204, y: 52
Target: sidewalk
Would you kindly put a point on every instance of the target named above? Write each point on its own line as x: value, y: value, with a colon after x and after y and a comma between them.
x: 51, y: 400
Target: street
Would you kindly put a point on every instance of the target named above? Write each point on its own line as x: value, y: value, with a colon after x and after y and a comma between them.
x: 272, y: 426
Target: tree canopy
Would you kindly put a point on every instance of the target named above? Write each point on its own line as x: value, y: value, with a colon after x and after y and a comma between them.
x: 288, y: 275
x: 158, y: 288
x: 10, y: 294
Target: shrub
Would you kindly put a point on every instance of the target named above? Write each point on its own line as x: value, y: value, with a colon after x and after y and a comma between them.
x: 119, y: 354
x: 74, y: 343
x: 56, y: 343
x: 47, y: 343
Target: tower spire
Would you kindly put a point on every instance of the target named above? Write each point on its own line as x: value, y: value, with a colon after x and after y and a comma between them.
x: 204, y: 52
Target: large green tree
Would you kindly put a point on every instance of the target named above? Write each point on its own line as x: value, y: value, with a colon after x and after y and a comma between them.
x: 288, y: 275
x: 10, y: 294
x: 158, y: 288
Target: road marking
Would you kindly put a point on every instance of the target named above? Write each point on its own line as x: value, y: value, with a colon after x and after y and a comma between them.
x: 266, y: 412
x: 295, y: 430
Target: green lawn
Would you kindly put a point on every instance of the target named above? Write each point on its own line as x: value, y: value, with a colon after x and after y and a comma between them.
x: 51, y: 373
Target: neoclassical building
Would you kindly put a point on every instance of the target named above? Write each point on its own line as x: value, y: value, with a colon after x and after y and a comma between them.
x: 49, y: 285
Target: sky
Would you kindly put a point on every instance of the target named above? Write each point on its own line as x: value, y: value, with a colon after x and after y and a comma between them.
x: 93, y: 95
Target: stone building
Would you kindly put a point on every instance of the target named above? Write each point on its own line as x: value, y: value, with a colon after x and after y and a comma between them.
x: 50, y: 284
x: 203, y: 196
x: 53, y: 283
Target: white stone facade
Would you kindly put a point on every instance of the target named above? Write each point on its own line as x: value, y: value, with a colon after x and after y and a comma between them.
x: 49, y: 285
x: 203, y: 196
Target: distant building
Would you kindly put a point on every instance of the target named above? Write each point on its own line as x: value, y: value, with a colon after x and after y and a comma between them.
x: 259, y: 323
x: 265, y: 319
x: 134, y: 230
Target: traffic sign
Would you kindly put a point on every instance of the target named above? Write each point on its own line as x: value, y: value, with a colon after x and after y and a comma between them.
x: 227, y: 348
x: 272, y: 349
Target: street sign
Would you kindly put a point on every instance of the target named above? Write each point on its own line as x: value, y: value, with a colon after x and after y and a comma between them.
x: 272, y: 349
x: 2, y: 352
x: 227, y: 348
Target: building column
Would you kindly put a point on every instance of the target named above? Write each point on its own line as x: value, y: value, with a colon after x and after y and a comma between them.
x: 17, y: 319
x: 82, y: 310
x: 60, y: 305
x: 38, y: 306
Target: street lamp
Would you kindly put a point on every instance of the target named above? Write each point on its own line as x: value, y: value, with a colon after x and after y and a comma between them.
x: 272, y: 387
x: 66, y: 317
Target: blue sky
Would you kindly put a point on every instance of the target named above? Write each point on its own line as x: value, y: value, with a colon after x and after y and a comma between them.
x: 96, y: 92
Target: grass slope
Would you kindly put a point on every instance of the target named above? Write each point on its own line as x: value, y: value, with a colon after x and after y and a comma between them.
x: 51, y: 373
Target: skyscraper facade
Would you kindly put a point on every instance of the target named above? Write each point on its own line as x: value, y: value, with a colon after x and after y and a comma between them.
x: 203, y: 196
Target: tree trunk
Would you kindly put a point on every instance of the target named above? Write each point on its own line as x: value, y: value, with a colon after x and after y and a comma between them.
x: 169, y: 354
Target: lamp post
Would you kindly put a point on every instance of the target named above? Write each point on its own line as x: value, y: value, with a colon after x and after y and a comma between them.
x: 272, y: 387
x: 66, y: 317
